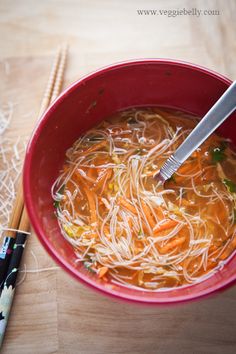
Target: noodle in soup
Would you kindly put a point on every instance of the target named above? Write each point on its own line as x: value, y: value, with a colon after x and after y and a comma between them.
x: 132, y: 230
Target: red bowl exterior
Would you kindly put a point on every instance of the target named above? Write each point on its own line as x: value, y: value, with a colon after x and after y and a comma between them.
x: 147, y: 82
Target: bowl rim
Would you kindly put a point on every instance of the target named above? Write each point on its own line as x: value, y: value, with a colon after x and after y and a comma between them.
x: 29, y: 202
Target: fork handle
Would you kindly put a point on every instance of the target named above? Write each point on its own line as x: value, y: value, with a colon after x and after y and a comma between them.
x: 221, y: 110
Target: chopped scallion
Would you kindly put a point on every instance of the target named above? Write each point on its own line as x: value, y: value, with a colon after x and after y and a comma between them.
x: 218, y: 153
x: 231, y: 186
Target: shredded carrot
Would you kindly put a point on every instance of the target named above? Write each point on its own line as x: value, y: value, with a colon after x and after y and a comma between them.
x: 91, y: 173
x: 185, y: 202
x: 212, y: 248
x: 172, y: 244
x: 130, y: 222
x: 199, y: 162
x: 210, y: 265
x: 148, y: 214
x: 102, y: 176
x: 109, y: 212
x: 230, y: 248
x: 209, y: 175
x: 168, y: 224
x: 127, y: 205
x: 102, y: 271
x: 91, y: 200
x: 187, y: 168
x: 82, y: 179
x: 135, y: 273
x: 159, y: 213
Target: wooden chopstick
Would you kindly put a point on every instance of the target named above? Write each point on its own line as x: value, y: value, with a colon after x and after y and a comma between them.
x: 19, y: 201
x: 51, y: 83
x: 52, y: 91
x: 10, y: 234
x: 60, y: 74
x: 19, y: 220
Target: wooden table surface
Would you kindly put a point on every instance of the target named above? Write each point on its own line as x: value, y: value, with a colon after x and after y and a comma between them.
x: 52, y: 313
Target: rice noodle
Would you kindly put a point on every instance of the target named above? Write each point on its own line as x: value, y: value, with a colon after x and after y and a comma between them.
x: 110, y: 208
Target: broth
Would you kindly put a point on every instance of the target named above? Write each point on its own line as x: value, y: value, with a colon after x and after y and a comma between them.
x: 128, y: 228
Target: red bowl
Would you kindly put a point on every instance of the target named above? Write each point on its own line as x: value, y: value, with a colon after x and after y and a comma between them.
x: 135, y: 83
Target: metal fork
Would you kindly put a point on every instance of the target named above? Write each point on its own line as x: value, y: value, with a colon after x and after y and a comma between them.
x: 221, y: 110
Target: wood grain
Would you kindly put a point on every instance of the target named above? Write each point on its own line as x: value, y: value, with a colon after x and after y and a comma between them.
x: 52, y: 313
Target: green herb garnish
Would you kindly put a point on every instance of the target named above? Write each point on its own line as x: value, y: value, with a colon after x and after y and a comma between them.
x: 231, y: 186
x: 140, y: 234
x: 171, y: 179
x: 96, y: 138
x: 88, y: 266
x: 56, y: 204
x: 218, y: 153
x: 60, y: 192
x: 139, y: 151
